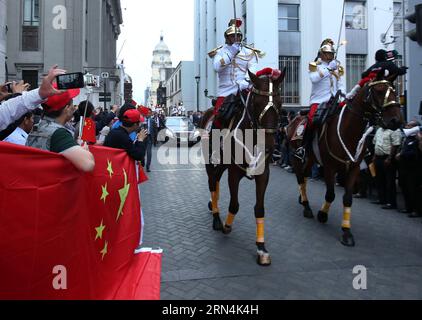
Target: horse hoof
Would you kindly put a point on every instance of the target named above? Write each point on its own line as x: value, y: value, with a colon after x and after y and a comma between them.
x: 210, y: 206
x: 322, y: 217
x: 308, y: 214
x: 264, y: 259
x: 217, y: 225
x: 227, y: 230
x: 347, y: 239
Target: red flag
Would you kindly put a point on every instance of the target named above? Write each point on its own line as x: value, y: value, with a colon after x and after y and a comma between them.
x: 142, y: 175
x: 89, y: 131
x: 68, y: 235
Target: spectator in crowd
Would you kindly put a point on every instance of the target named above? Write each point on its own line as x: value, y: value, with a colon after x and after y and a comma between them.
x: 387, y: 143
x: 410, y: 172
x: 127, y: 106
x: 53, y: 135
x: 149, y: 141
x: 13, y: 109
x: 119, y: 138
x: 24, y: 128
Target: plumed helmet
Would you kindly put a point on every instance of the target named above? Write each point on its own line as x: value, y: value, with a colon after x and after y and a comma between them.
x: 234, y: 28
x: 327, y: 48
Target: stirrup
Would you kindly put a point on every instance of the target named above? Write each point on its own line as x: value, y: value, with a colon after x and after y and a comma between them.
x: 300, y: 153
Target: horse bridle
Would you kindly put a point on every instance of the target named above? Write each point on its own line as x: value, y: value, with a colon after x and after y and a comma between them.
x: 270, y: 94
x: 377, y: 110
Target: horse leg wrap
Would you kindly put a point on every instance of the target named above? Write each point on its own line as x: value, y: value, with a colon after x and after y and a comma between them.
x: 260, y: 230
x: 214, y: 201
x: 302, y: 190
x: 346, y: 218
x: 326, y: 207
x: 230, y: 219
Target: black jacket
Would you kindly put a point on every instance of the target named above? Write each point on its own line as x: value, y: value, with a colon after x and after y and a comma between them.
x: 386, y: 65
x: 119, y: 139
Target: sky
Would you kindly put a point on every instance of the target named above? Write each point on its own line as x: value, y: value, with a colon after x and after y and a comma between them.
x: 143, y: 21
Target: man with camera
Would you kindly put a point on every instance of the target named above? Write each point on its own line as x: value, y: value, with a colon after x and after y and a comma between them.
x: 52, y: 134
x: 119, y: 138
x: 13, y: 109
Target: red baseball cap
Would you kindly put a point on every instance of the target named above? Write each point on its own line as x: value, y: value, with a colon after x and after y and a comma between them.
x: 58, y: 102
x: 144, y: 111
x: 132, y: 116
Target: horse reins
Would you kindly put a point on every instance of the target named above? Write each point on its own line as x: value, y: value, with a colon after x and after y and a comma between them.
x: 378, y: 110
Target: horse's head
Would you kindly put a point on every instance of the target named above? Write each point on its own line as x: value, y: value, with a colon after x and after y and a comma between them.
x: 265, y: 101
x: 384, y: 107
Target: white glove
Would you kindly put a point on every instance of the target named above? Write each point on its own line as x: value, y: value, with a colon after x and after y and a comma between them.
x: 333, y: 65
x: 234, y: 49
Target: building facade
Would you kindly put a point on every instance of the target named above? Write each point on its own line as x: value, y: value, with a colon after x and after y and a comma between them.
x: 3, y: 42
x: 179, y: 87
x: 414, y: 61
x: 78, y: 35
x: 161, y: 62
x: 290, y: 32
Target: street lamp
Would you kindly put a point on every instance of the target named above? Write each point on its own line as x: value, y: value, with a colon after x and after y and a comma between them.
x: 197, y: 78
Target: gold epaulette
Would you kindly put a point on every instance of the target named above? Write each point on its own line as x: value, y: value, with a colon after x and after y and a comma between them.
x: 261, y: 54
x: 313, y: 66
x: 213, y: 52
x: 341, y: 71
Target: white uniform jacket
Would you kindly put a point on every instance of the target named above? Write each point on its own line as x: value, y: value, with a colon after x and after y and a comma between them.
x: 324, y: 84
x: 233, y: 73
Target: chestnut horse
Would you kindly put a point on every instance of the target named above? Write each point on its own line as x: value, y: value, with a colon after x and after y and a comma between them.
x: 342, y: 145
x: 261, y: 111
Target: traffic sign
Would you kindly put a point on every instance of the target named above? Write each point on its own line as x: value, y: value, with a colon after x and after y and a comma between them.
x: 105, y: 75
x: 105, y: 100
x: 105, y: 94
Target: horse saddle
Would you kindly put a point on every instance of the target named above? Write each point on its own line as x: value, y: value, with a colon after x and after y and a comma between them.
x: 231, y: 106
x: 326, y: 110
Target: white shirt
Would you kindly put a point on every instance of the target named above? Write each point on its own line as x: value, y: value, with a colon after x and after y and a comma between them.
x: 19, y: 137
x: 324, y: 84
x: 13, y: 109
x: 233, y: 73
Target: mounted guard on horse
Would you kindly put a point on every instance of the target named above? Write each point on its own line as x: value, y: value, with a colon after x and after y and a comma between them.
x: 246, y: 102
x: 326, y: 75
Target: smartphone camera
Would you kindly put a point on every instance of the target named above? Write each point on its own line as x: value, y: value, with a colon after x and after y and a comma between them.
x: 70, y: 81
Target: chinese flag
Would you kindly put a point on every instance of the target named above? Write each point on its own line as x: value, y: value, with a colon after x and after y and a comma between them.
x: 89, y: 131
x: 69, y: 235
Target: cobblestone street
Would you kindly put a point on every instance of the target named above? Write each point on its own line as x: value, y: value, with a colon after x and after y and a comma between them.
x: 309, y: 262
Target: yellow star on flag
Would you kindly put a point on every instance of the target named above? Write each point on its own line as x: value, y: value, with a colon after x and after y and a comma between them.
x: 110, y: 168
x: 100, y: 231
x: 123, y: 193
x: 105, y: 250
x: 105, y: 193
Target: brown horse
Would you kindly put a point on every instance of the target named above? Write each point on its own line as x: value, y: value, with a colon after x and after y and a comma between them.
x: 342, y: 144
x: 261, y: 112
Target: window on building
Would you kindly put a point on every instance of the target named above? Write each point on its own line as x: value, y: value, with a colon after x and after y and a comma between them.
x: 290, y: 89
x: 31, y: 13
x: 355, y: 13
x: 355, y: 66
x: 288, y: 17
x: 31, y: 77
x: 400, y: 87
x: 398, y: 17
x: 30, y: 25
